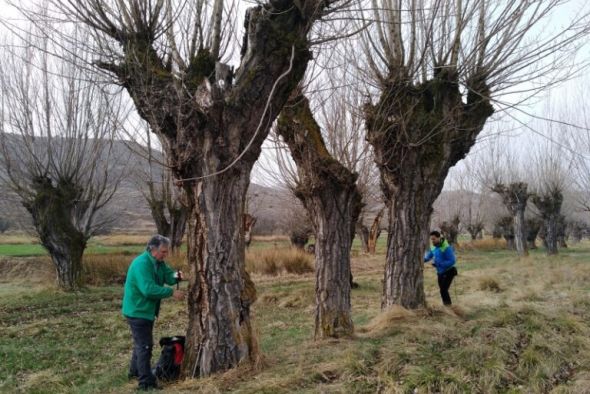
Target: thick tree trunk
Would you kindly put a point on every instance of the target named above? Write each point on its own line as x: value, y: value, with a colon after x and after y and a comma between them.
x: 550, y: 224
x: 375, y: 232
x: 450, y: 230
x: 520, y: 233
x: 249, y: 222
x: 363, y: 233
x: 404, y: 279
x: 67, y: 260
x: 328, y: 192
x: 299, y: 239
x: 561, y: 231
x: 334, y: 218
x: 418, y: 132
x: 510, y: 244
x: 532, y: 231
x: 515, y: 197
x: 179, y: 218
x: 474, y: 229
x: 171, y: 224
x: 212, y: 122
x: 220, y: 292
x: 52, y: 211
x: 549, y: 205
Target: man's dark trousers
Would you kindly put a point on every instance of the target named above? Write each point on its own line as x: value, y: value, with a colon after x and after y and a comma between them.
x: 141, y: 330
x: 444, y: 282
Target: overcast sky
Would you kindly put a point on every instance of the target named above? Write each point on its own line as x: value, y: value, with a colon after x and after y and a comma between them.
x: 521, y: 137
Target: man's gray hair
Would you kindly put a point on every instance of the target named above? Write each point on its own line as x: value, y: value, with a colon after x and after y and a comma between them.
x: 156, y: 241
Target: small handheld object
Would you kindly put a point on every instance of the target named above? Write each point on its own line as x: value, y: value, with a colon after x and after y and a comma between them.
x: 177, y: 276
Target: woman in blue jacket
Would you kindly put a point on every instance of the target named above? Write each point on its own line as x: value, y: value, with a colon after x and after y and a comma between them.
x: 444, y: 262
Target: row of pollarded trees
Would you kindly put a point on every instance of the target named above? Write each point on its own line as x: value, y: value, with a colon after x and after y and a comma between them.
x: 534, y: 188
x: 432, y: 71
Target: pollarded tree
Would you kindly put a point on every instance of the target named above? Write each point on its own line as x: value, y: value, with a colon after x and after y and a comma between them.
x: 549, y: 206
x: 550, y: 176
x: 435, y: 66
x: 56, y: 146
x: 329, y: 193
x: 450, y: 229
x: 163, y: 195
x: 212, y: 120
x: 515, y: 197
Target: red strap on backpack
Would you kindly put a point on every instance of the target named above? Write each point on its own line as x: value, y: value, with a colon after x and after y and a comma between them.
x: 178, y: 353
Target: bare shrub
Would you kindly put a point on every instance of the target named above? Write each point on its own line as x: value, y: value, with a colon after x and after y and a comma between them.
x: 489, y: 284
x: 298, y: 264
x: 274, y: 261
x: 487, y: 244
x: 111, y: 268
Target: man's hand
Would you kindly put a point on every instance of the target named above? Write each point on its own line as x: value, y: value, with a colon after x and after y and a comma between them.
x: 178, y: 295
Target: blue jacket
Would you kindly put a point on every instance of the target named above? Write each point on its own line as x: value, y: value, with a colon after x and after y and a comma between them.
x: 444, y: 257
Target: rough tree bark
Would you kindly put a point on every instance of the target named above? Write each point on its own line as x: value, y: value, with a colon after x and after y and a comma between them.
x: 363, y: 233
x: 549, y: 206
x: 505, y: 229
x: 212, y: 123
x: 168, y: 211
x: 375, y: 232
x: 533, y: 226
x: 515, y: 197
x: 418, y: 133
x: 249, y: 222
x: 562, y: 231
x: 328, y: 192
x: 51, y: 209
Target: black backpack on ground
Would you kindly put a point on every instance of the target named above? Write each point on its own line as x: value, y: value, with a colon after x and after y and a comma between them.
x: 170, y: 361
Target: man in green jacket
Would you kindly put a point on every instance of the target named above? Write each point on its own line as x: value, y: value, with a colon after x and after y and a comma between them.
x: 144, y: 288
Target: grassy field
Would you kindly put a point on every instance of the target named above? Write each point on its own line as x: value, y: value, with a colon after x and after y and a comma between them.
x: 28, y: 246
x: 519, y: 326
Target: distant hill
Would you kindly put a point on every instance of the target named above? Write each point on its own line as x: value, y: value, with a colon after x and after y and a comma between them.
x: 128, y: 206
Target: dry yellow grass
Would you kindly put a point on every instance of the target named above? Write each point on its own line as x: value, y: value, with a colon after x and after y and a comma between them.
x: 18, y: 239
x: 278, y: 260
x: 387, y: 319
x: 481, y: 244
x: 533, y: 336
x: 270, y: 238
x: 32, y: 270
x: 101, y: 269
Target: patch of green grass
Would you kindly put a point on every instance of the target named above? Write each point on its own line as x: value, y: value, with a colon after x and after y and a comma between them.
x: 533, y: 336
x: 22, y: 250
x: 28, y: 250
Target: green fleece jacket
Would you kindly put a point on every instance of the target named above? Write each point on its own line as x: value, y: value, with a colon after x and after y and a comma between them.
x: 144, y: 286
